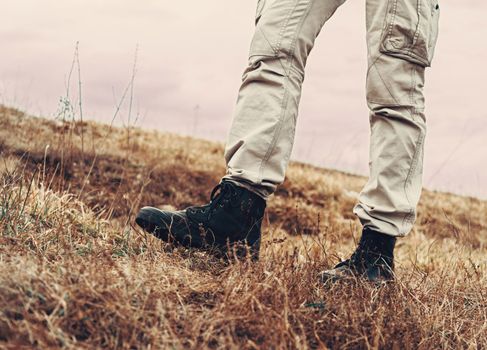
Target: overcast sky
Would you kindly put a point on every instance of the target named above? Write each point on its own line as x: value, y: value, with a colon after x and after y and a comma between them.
x: 190, y: 59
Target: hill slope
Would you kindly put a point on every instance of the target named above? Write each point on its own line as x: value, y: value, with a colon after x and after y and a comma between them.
x: 76, y: 273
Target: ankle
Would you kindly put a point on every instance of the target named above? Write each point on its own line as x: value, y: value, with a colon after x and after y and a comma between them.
x: 377, y: 243
x: 247, y: 186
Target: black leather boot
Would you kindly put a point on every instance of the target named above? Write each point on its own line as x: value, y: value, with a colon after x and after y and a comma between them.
x: 230, y: 223
x: 373, y: 259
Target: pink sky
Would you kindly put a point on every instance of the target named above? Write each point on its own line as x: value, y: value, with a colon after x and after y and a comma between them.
x: 193, y: 53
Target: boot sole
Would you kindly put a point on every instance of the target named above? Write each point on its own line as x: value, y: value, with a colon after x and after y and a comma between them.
x: 328, y: 277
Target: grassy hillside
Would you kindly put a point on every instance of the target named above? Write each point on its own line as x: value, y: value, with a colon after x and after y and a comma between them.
x: 76, y: 273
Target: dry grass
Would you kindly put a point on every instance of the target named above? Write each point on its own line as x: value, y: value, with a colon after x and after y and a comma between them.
x: 75, y: 273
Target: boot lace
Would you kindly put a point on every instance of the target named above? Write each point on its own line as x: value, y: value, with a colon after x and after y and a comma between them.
x: 365, y: 255
x: 222, y: 194
x: 356, y: 258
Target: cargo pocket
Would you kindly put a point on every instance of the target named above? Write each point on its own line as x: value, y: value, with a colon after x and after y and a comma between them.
x: 411, y: 30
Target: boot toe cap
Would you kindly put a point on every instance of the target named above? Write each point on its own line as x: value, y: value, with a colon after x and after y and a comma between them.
x: 159, y: 222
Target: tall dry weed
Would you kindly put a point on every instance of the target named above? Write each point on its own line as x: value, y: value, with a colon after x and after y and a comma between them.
x: 75, y: 272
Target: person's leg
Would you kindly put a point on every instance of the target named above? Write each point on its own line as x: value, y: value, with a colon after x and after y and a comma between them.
x: 262, y: 134
x: 261, y: 138
x: 401, y: 37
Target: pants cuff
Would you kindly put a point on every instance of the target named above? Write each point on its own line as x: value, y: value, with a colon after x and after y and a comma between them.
x: 247, y: 186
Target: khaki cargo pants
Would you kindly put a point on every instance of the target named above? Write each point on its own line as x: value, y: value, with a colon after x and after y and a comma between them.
x: 401, y: 37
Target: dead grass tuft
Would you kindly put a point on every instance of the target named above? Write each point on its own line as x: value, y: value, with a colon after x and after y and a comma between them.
x: 75, y: 273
